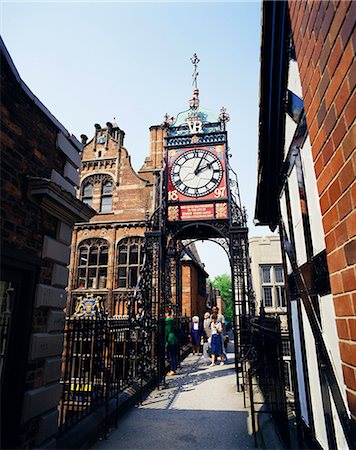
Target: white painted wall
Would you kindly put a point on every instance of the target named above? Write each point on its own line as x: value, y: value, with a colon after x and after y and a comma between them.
x: 291, y: 126
x: 283, y: 206
x: 314, y: 383
x: 297, y: 218
x: 316, y: 224
x: 294, y: 84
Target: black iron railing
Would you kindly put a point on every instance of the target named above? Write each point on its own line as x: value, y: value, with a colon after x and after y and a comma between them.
x: 97, y: 364
x: 104, y: 356
x: 266, y: 377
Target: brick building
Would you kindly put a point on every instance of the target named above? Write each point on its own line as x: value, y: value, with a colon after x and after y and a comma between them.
x: 306, y: 186
x: 107, y: 251
x: 194, y: 289
x: 39, y: 161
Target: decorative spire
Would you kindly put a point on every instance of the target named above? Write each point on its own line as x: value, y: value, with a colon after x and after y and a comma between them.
x: 224, y: 116
x: 168, y: 121
x: 194, y: 101
x: 195, y: 61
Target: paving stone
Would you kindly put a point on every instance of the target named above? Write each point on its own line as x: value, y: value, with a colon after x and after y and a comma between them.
x: 198, y: 408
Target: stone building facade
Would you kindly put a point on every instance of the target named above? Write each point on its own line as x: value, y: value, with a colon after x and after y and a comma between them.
x: 267, y: 275
x: 39, y: 162
x: 269, y: 288
x: 107, y: 251
x: 306, y: 186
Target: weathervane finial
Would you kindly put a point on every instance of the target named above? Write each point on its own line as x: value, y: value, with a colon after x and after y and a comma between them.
x: 195, y: 61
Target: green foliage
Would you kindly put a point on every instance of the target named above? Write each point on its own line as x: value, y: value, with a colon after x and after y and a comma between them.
x: 223, y: 283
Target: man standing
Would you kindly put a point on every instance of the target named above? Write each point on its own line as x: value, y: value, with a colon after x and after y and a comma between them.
x: 171, y: 341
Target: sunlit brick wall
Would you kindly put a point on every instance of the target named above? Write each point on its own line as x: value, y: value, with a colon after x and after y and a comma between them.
x: 325, y: 44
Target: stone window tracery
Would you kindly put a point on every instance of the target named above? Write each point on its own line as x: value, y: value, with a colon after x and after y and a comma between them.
x: 102, y: 183
x: 92, y: 264
x: 130, y: 258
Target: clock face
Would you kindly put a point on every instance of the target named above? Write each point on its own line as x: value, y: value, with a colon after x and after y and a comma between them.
x: 196, y: 173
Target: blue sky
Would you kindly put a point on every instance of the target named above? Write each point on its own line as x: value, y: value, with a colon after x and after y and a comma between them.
x: 89, y: 62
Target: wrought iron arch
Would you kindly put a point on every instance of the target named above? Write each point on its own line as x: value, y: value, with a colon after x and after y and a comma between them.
x: 223, y: 242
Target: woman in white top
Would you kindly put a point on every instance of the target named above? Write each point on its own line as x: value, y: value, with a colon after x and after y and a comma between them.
x: 216, y: 347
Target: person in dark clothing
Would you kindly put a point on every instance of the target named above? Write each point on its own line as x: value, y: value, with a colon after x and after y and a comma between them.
x: 195, y: 334
x: 171, y: 341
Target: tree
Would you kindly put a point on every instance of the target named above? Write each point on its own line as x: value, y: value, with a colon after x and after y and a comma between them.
x: 223, y: 284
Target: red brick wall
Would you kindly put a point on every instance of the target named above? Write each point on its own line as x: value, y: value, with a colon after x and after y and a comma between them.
x: 28, y: 149
x: 325, y: 44
x: 193, y: 301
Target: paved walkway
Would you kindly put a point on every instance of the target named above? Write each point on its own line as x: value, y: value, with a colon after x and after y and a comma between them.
x: 199, y: 408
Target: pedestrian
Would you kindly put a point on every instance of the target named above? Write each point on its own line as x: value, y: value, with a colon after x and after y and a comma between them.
x: 195, y: 334
x: 206, y: 326
x: 221, y: 319
x: 207, y: 335
x: 171, y: 341
x: 216, y: 345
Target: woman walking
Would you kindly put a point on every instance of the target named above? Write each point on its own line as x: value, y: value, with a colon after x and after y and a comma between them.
x: 216, y: 346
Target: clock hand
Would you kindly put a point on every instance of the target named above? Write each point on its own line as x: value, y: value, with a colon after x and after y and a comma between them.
x: 208, y: 166
x: 196, y: 171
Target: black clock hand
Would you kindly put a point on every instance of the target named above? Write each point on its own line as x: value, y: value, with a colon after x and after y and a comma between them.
x: 196, y: 171
x: 208, y: 166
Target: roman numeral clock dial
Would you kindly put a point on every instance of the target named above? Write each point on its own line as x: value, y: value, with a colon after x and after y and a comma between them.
x: 196, y: 173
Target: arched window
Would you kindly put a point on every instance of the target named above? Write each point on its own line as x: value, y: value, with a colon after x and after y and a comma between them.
x: 87, y: 193
x: 130, y: 258
x: 92, y: 264
x: 106, y: 197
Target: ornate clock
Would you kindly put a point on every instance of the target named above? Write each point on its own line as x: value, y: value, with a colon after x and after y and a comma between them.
x: 197, y: 183
x: 196, y: 173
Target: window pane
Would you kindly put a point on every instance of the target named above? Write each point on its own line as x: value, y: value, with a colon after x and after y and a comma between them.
x: 93, y: 256
x: 88, y: 201
x: 280, y: 294
x: 266, y: 274
x: 83, y: 256
x: 122, y: 277
x: 142, y: 252
x: 279, y: 274
x: 133, y: 259
x: 92, y: 279
x: 283, y: 295
x: 107, y: 188
x: 102, y: 278
x: 286, y: 348
x: 88, y: 190
x: 287, y: 375
x: 106, y: 204
x: 132, y: 277
x: 294, y: 106
x: 267, y: 296
x: 103, y: 256
x: 81, y: 278
x: 122, y: 254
